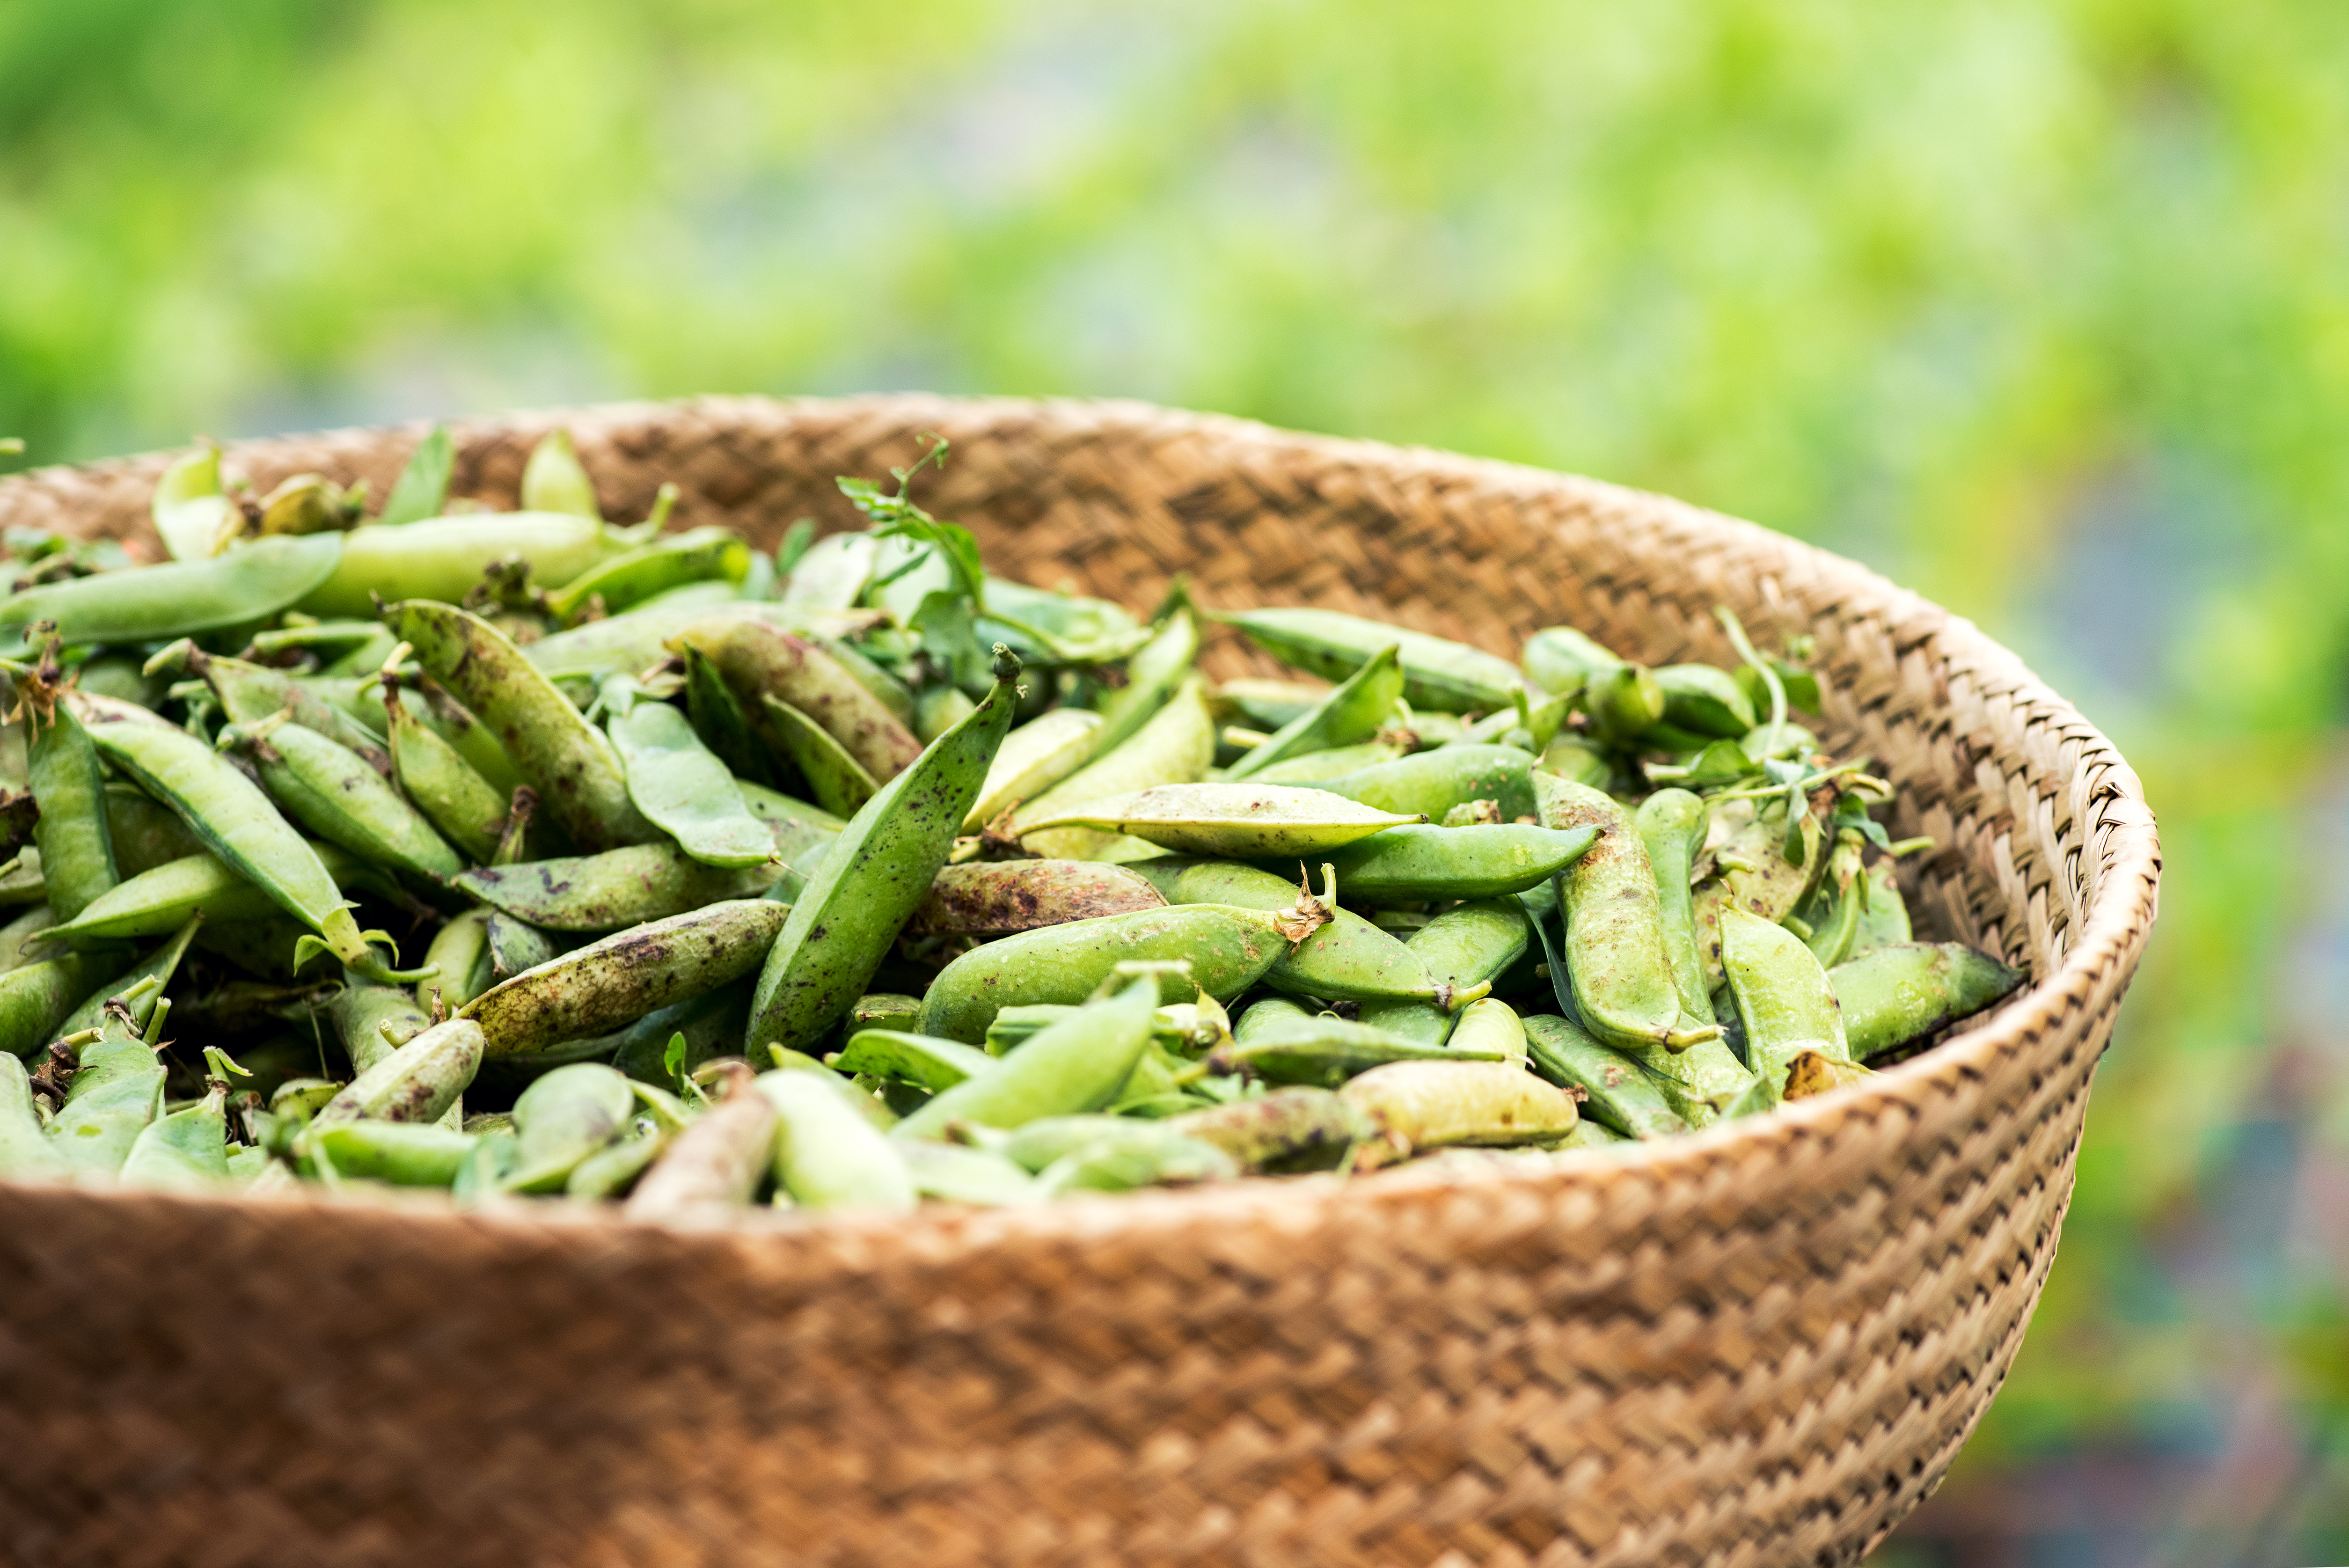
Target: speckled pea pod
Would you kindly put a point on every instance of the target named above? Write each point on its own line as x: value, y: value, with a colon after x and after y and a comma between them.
x: 827, y: 1156
x: 449, y: 790
x: 1672, y: 824
x: 249, y: 693
x: 610, y: 891
x: 403, y: 1154
x: 1623, y: 1095
x: 1470, y: 945
x: 1407, y: 1106
x: 1751, y: 873
x: 919, y: 1059
x: 837, y: 779
x: 593, y: 990
x: 1892, y: 995
x: 1624, y: 985
x: 1347, y: 957
x: 563, y: 1117
x: 876, y: 876
x: 1784, y: 996
x: 683, y: 788
x: 760, y: 659
x: 333, y: 792
x: 118, y: 1089
x: 1323, y: 1049
x: 1350, y: 713
x: 566, y: 759
x: 1244, y: 821
x: 1430, y: 783
x: 76, y: 848
x: 1293, y: 1129
x: 1438, y: 673
x: 1033, y: 758
x: 515, y: 946
x: 711, y: 1168
x: 1001, y: 896
x: 1076, y: 1065
x: 26, y: 1153
x: 1409, y: 864
x: 460, y: 956
x: 416, y: 1083
x: 1177, y: 746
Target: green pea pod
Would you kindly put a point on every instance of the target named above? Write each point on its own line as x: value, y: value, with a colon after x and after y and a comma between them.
x: 1892, y: 995
x: 145, y: 834
x: 20, y: 938
x: 1753, y: 873
x: 554, y: 480
x: 717, y: 716
x: 1250, y: 821
x: 1705, y: 700
x: 1177, y: 746
x: 416, y: 1083
x: 191, y: 513
x: 613, y: 1169
x: 760, y: 659
x: 249, y: 693
x: 1406, y: 1106
x: 1783, y: 998
x: 1288, y: 1130
x: 1467, y: 948
x: 332, y: 791
x: 186, y: 1151
x: 918, y: 1059
x: 562, y: 756
x: 827, y: 1156
x: 1076, y: 1065
x: 374, y: 1020
x: 1033, y: 758
x: 1438, y: 674
x: 711, y: 1168
x: 131, y: 985
x: 1159, y: 1158
x: 953, y: 1174
x: 36, y: 998
x: 1351, y: 713
x: 160, y: 900
x: 443, y: 558
x: 876, y: 875
x: 563, y: 1117
x: 607, y: 984
x: 1000, y: 896
x: 837, y: 779
x: 1430, y: 784
x: 684, y: 790
x: 631, y: 642
x: 1346, y: 957
x: 402, y: 1154
x: 1576, y: 757
x: 1266, y: 704
x: 1623, y: 1095
x: 1672, y: 824
x: 1813, y: 1073
x: 1325, y: 1050
x: 1624, y: 985
x: 76, y: 848
x: 1488, y: 1025
x: 1883, y: 913
x: 1559, y: 658
x: 1180, y: 1029
x: 939, y: 708
x: 1411, y: 864
x: 449, y: 790
x: 422, y: 490
x: 1315, y: 767
x: 1833, y: 913
x: 460, y: 960
x: 626, y: 580
x: 118, y: 1089
x: 26, y: 1153
x: 1153, y: 674
x: 1624, y: 703
x: 155, y: 604
x: 617, y: 888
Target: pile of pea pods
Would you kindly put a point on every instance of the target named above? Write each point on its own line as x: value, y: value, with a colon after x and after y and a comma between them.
x: 529, y: 855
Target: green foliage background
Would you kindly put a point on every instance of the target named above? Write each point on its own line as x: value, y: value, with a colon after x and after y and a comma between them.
x: 2039, y: 306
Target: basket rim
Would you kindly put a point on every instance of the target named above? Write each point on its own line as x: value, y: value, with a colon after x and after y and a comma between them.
x: 2119, y: 913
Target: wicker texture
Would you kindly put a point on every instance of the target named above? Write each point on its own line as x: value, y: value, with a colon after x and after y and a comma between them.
x: 1762, y: 1345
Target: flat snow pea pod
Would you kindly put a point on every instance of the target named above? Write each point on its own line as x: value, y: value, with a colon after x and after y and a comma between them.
x: 1152, y: 675
x: 1407, y: 1106
x: 132, y: 987
x: 1672, y: 824
x: 1624, y: 985
x: 832, y: 573
x: 249, y: 693
x: 953, y: 1174
x: 230, y: 817
x: 919, y: 1059
x: 1333, y: 952
x: 563, y: 1117
x: 627, y: 579
x: 404, y: 1154
x: 22, y: 934
x: 607, y: 984
x: 332, y: 791
x: 1623, y: 1095
x: 1177, y: 746
x: 186, y: 1151
x: 144, y: 835
x: 876, y: 875
x: 760, y: 659
x: 154, y: 604
x: 443, y: 558
x: 1022, y: 895
x: 190, y: 511
x: 26, y: 1153
x: 617, y: 888
x: 416, y: 1083
x: 1705, y: 700
x: 1490, y: 1024
x: 450, y: 791
x: 1160, y: 1158
x: 1784, y: 996
x: 1325, y: 1050
x: 1440, y: 674
x: 1034, y: 757
x: 827, y: 1156
x: 1076, y: 1065
x: 1752, y: 872
x: 1313, y: 767
x: 1245, y: 821
x: 1411, y: 864
x: 837, y: 779
x: 118, y: 1089
x: 76, y: 848
x: 684, y: 790
x: 1891, y: 995
x: 1430, y: 783
x: 1289, y: 1130
x: 578, y: 777
x: 1883, y: 914
x: 711, y: 1168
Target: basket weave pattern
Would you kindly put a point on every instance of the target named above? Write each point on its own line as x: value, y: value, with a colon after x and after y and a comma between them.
x: 1761, y: 1344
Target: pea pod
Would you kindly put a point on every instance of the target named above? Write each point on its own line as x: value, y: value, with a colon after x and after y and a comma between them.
x: 1813, y: 1072
x: 684, y: 790
x: 555, y: 481
x: 1159, y: 1158
x: 1892, y: 995
x: 20, y: 938
x: 1883, y: 913
x: 1752, y: 872
x: 953, y: 1174
x: 416, y: 1083
x: 1266, y: 704
x: 1467, y: 948
x: 1177, y: 746
x: 1343, y: 956
x: 155, y: 902
x: 1245, y: 821
x: 760, y: 659
x: 429, y: 704
x: 138, y: 988
x: 1490, y: 1024
x: 1430, y: 784
x: 374, y: 1020
x: 718, y: 717
x: 627, y: 579
x: 918, y: 1059
x: 876, y: 875
x: 1406, y: 1106
x: 1783, y: 998
x: 1623, y: 1095
x: 1291, y: 1129
x: 26, y: 1153
x: 144, y: 833
x: 1325, y: 1050
x: 1559, y: 658
x: 180, y: 599
x: 1672, y: 824
x: 1705, y: 700
x: 1156, y: 671
x: 1438, y: 673
x: 1184, y: 1028
x: 827, y: 1156
x: 1075, y: 1064
x: 184, y: 1151
x: 117, y: 1090
x: 1574, y: 757
x: 333, y: 791
x: 566, y: 759
x: 713, y: 1167
x: 402, y: 1154
x: 249, y: 693
x: 449, y: 790
x: 1411, y: 864
x: 837, y: 779
x: 1315, y: 767
x: 1022, y: 895
x: 460, y: 960
x: 442, y: 558
x: 76, y: 848
x: 1833, y: 913
x: 607, y: 984
x: 1033, y: 758
x: 191, y: 513
x: 617, y: 888
x: 1352, y: 712
x: 939, y: 708
x: 562, y: 1119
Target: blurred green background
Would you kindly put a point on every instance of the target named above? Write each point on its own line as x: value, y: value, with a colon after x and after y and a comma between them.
x: 2041, y: 307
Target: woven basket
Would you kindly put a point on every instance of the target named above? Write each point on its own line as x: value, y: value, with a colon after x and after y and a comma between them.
x: 1761, y: 1344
